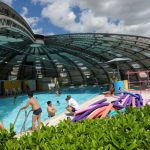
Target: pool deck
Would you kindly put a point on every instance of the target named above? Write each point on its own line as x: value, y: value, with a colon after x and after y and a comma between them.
x: 56, y: 119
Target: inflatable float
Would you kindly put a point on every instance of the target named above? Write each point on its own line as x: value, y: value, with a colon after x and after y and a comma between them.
x: 103, y: 109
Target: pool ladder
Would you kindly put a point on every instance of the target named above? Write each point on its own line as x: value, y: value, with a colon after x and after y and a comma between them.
x: 24, y: 123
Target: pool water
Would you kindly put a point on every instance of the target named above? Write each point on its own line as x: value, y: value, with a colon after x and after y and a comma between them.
x: 9, y: 110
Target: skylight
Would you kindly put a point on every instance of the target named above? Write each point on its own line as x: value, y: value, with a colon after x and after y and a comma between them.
x: 136, y: 66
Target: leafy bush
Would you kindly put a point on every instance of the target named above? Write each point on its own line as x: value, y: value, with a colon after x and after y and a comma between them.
x: 130, y: 131
x: 6, y: 136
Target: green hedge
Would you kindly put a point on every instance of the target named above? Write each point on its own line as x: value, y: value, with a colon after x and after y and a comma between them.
x: 130, y: 131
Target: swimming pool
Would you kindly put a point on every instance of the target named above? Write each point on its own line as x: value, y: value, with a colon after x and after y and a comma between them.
x: 9, y: 110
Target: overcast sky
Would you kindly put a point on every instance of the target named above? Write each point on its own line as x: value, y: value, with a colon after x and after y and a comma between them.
x: 81, y: 16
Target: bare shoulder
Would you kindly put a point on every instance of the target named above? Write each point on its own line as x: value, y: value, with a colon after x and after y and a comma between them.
x: 48, y: 107
x: 29, y: 101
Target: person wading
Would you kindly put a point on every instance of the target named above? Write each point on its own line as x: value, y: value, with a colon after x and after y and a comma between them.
x: 50, y: 109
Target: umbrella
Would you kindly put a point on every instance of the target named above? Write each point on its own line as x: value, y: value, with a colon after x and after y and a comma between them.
x: 116, y: 60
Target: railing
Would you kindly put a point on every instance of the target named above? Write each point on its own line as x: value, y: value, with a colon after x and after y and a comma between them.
x: 17, y: 117
x: 26, y: 117
x: 24, y: 123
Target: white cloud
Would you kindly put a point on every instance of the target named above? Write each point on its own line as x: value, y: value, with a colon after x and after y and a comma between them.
x: 133, y: 15
x: 42, y: 1
x: 49, y: 33
x: 60, y: 13
x: 37, y: 30
x: 8, y: 2
x: 32, y: 21
x: 24, y: 11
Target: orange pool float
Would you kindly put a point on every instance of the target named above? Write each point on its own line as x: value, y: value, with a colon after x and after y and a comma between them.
x: 96, y: 112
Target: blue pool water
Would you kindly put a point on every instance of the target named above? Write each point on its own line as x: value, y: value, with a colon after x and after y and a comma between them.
x: 9, y: 110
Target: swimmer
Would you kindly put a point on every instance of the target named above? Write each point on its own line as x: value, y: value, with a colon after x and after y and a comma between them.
x: 58, y: 103
x: 15, y: 97
x: 50, y: 109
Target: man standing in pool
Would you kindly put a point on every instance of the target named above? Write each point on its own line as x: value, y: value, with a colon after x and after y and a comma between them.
x: 50, y: 109
x: 58, y: 103
x: 36, y: 110
x: 72, y: 105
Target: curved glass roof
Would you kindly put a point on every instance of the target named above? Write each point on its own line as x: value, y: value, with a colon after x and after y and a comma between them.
x: 72, y: 58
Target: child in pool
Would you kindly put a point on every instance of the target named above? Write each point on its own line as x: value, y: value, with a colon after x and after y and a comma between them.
x: 58, y: 103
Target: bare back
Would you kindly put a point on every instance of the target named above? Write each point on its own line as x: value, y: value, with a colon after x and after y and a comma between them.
x: 34, y: 103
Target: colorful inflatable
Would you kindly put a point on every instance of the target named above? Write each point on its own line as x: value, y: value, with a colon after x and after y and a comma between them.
x: 102, y: 108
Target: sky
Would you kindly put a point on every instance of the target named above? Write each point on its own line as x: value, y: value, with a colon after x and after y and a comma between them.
x: 50, y: 17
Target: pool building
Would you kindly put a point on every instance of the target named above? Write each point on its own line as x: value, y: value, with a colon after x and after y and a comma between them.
x: 81, y: 64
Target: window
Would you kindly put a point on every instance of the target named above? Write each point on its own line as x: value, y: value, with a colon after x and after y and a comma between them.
x: 146, y: 54
x: 40, y: 76
x: 136, y: 49
x: 118, y: 55
x: 87, y: 73
x: 59, y: 66
x: 63, y: 74
x: 135, y: 65
x: 80, y: 64
x: 83, y: 68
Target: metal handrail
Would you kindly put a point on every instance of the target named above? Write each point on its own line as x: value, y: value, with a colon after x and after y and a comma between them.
x: 26, y: 117
x: 17, y: 116
x: 23, y: 127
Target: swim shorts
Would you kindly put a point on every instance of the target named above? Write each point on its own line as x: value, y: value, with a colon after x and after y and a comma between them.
x: 37, y: 111
x: 51, y: 115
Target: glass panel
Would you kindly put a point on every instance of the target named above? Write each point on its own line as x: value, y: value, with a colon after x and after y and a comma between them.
x: 146, y: 54
x: 135, y: 65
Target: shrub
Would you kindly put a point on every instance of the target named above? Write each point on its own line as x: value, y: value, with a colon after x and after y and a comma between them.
x: 130, y: 131
x: 6, y: 136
